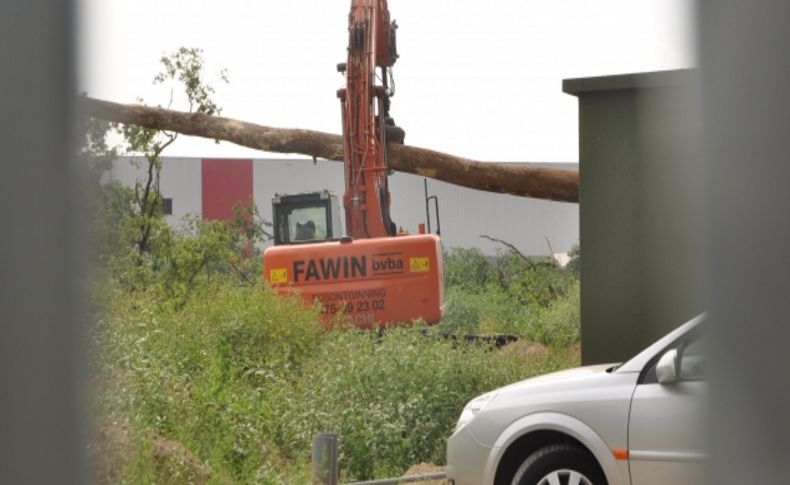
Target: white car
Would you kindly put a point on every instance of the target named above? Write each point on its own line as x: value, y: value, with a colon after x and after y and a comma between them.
x: 638, y: 423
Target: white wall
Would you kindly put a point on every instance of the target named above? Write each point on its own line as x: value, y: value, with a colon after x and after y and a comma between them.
x: 180, y: 180
x: 465, y: 214
x: 292, y: 177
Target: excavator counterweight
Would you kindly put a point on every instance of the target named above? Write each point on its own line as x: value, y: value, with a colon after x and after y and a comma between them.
x: 371, y: 282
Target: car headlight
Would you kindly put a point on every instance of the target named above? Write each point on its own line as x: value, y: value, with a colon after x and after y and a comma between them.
x: 473, y: 407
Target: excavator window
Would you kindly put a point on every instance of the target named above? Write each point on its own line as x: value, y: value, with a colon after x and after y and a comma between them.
x: 303, y: 218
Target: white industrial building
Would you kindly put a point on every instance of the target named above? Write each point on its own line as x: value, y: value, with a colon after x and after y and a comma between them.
x: 211, y: 187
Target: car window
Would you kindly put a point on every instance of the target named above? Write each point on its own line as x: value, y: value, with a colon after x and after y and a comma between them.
x: 692, y: 360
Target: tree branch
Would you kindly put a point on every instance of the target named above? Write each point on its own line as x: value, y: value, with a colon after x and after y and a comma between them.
x: 515, y: 179
x: 509, y: 246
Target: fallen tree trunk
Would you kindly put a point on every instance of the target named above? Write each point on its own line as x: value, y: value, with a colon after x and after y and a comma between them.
x: 515, y: 179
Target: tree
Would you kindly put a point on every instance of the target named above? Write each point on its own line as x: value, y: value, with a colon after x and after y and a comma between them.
x: 185, y: 68
x: 515, y: 179
x: 135, y: 243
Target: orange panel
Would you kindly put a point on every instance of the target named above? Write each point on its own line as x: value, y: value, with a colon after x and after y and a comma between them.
x: 371, y: 281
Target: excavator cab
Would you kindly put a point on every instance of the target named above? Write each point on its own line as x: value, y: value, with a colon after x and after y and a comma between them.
x: 306, y: 217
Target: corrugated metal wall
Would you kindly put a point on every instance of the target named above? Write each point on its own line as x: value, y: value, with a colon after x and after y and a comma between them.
x: 465, y: 214
x: 180, y: 180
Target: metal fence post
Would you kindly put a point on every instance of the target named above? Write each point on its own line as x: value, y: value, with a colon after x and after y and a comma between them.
x: 325, y: 459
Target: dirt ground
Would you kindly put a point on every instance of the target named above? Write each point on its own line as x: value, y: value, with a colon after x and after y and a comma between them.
x: 424, y: 468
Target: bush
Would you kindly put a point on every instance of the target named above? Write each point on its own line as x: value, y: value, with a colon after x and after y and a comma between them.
x: 196, y: 374
x: 559, y: 325
x: 393, y: 399
x: 212, y: 378
x: 575, y: 264
x: 531, y: 298
x: 237, y: 381
x: 468, y: 269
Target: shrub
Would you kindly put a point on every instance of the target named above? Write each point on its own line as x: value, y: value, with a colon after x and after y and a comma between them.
x: 575, y: 264
x: 195, y: 373
x: 468, y: 269
x: 215, y: 379
x: 559, y: 325
x: 393, y: 399
x: 531, y: 298
x: 237, y: 381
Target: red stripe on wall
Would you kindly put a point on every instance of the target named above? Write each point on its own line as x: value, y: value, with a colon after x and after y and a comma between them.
x: 225, y: 183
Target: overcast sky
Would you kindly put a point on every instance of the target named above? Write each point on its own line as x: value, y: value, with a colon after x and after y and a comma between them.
x: 477, y: 79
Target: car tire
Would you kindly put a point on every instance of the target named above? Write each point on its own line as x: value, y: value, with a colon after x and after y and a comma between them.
x: 561, y: 464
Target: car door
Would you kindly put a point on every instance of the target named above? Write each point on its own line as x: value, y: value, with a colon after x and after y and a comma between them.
x: 666, y: 428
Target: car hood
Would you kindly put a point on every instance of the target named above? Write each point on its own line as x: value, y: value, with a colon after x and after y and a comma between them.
x: 570, y: 377
x: 589, y: 394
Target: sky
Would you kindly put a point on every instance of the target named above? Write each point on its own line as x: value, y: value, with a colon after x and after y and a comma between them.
x: 482, y: 80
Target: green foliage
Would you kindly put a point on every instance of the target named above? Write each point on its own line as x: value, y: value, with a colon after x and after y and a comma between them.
x: 222, y: 381
x: 94, y: 146
x: 136, y: 247
x: 559, y: 324
x: 243, y: 379
x: 185, y: 66
x: 575, y: 264
x: 114, y: 216
x: 204, y: 375
x: 193, y: 255
x: 394, y: 400
x: 531, y: 298
x: 238, y: 380
x: 133, y: 217
x: 197, y: 373
x: 468, y: 269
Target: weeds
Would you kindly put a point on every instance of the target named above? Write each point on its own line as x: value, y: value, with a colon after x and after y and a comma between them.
x: 533, y: 299
x: 229, y: 383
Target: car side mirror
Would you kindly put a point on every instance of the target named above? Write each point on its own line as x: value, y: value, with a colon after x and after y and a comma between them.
x: 666, y: 370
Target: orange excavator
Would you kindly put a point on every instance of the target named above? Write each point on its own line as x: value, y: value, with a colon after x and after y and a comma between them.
x: 373, y: 274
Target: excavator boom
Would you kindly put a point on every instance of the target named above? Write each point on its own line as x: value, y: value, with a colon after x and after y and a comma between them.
x: 372, y: 275
x: 365, y: 108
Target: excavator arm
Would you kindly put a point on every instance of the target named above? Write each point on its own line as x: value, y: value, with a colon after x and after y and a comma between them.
x: 365, y: 107
x: 371, y: 275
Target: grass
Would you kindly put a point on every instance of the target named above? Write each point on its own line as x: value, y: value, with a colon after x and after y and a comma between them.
x: 534, y: 299
x: 231, y: 384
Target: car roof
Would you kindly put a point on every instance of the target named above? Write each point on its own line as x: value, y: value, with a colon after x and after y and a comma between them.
x: 637, y: 363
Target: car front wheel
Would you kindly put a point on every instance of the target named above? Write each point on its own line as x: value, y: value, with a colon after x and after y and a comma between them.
x: 559, y: 465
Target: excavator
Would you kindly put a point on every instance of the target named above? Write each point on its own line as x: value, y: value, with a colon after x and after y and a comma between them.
x: 373, y: 274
